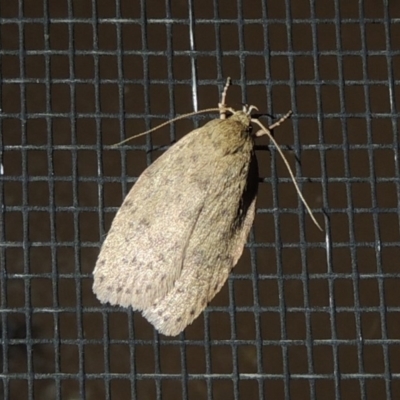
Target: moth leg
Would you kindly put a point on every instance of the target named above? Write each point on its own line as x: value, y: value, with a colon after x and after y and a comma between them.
x: 284, y: 118
x: 268, y: 129
x: 222, y: 105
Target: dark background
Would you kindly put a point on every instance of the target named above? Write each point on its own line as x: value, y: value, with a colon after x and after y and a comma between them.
x: 306, y: 314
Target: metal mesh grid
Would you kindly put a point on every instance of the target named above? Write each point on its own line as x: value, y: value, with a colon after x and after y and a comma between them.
x: 305, y: 315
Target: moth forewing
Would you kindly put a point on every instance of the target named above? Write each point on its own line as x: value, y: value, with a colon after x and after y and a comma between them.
x: 182, y: 227
x: 184, y: 224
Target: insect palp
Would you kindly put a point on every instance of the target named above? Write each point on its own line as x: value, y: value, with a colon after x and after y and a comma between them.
x: 248, y: 109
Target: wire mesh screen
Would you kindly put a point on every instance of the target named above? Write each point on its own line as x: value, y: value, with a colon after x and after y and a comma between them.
x: 305, y: 314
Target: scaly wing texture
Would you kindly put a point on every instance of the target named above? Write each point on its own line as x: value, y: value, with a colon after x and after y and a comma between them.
x: 214, y: 247
x: 182, y: 227
x: 141, y: 258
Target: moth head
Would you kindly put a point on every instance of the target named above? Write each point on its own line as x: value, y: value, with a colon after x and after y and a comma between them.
x: 244, y: 117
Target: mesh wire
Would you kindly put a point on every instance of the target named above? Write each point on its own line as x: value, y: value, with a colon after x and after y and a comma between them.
x: 305, y: 314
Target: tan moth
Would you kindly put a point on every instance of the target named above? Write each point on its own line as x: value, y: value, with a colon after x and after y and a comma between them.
x: 183, y: 225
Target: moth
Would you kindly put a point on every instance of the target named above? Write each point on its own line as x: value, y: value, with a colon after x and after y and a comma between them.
x: 183, y: 225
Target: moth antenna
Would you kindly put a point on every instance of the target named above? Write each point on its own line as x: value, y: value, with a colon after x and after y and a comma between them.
x: 267, y: 131
x: 173, y: 120
x: 222, y: 108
